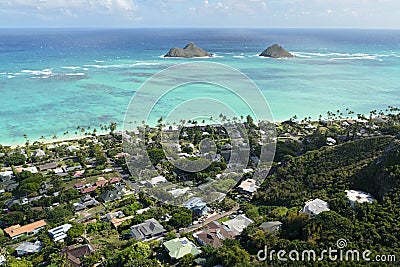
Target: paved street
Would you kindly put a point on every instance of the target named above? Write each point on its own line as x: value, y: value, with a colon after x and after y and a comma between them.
x: 210, y: 219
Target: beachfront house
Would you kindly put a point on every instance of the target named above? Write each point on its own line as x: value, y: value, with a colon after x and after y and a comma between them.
x: 315, y: 207
x: 39, y: 153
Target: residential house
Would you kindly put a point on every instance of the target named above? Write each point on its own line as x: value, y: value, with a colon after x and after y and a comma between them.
x: 179, y: 247
x: 315, y: 207
x: 115, y: 180
x: 118, y: 221
x: 17, y: 231
x: 101, y: 183
x: 359, y: 197
x: 11, y: 202
x: 74, y: 254
x: 156, y: 180
x: 71, y: 168
x: 29, y: 248
x: 248, y: 186
x: 60, y: 232
x: 79, y: 186
x: 197, y: 205
x: 88, y: 189
x: 6, y: 176
x: 72, y: 148
x: 12, y: 187
x: 214, y: 234
x: 86, y: 202
x: 330, y: 141
x: 113, y: 195
x: 47, y: 166
x: 32, y: 169
x: 77, y: 174
x: 111, y: 215
x: 39, y: 153
x: 141, y: 211
x: 238, y: 224
x: 149, y: 229
x: 271, y: 226
x: 179, y: 191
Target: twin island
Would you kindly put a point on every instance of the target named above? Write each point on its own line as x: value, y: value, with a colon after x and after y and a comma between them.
x: 192, y: 51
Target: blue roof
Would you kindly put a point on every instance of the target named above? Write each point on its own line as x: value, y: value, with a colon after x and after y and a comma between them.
x: 195, y: 203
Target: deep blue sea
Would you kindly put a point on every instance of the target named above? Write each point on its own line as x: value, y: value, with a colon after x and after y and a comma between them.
x: 53, y: 80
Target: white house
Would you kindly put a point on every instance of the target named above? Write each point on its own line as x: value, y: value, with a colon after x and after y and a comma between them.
x: 159, y: 179
x: 238, y: 224
x: 6, y: 175
x: 29, y: 248
x: 179, y: 191
x: 60, y: 232
x: 359, y: 197
x: 248, y: 186
x: 39, y: 153
x: 315, y: 207
x: 330, y: 141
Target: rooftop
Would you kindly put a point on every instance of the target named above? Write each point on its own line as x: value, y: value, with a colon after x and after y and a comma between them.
x: 238, y: 224
x: 248, y: 185
x: 147, y: 229
x: 316, y: 206
x: 16, y: 230
x: 359, y: 196
x: 179, y: 247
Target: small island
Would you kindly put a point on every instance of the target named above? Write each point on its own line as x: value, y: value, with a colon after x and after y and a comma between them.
x: 276, y: 51
x: 189, y: 51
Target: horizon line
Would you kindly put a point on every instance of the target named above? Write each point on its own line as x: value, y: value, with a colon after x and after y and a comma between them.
x: 187, y: 27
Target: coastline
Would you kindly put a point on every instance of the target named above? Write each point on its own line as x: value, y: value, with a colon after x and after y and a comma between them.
x: 79, y: 137
x: 54, y: 141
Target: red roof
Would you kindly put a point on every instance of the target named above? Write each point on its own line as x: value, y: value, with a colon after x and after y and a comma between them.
x: 18, y: 229
x: 79, y: 185
x: 88, y: 190
x: 101, y: 183
x: 77, y: 173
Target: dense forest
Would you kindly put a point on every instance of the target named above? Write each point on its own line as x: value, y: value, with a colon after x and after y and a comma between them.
x: 370, y: 164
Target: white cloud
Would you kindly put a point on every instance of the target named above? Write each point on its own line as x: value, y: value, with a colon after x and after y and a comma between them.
x: 72, y: 6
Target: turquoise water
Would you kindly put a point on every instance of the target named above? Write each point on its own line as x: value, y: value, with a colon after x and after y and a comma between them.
x: 52, y: 81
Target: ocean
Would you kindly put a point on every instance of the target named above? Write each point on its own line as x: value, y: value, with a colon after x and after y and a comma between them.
x: 53, y: 80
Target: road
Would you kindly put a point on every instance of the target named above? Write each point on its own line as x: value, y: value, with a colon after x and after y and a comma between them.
x: 216, y: 217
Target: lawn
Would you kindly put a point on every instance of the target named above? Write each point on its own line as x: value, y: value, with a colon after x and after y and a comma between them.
x: 223, y: 220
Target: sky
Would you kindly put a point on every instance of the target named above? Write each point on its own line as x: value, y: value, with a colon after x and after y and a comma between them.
x: 201, y: 13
